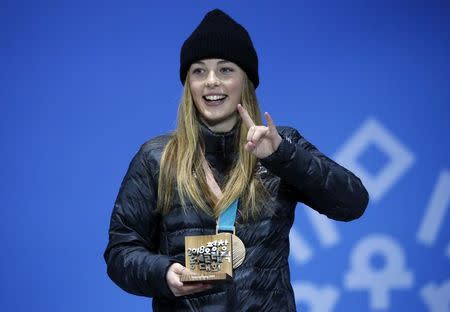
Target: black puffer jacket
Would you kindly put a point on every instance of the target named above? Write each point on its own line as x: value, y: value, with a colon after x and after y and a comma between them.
x: 143, y: 244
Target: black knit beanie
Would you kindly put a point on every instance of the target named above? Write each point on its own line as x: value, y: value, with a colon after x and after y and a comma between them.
x: 219, y: 36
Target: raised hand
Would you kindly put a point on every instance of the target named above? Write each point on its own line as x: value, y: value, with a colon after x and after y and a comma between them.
x: 178, y: 288
x: 261, y: 140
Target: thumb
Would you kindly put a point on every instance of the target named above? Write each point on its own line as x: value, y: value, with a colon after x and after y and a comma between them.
x: 177, y: 268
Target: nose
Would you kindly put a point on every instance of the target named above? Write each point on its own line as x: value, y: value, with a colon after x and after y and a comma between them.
x: 212, y: 79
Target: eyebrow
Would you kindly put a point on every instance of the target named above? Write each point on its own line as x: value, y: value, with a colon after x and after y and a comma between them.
x: 219, y: 62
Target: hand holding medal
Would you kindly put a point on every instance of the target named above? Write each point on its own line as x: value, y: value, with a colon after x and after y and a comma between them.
x: 173, y: 275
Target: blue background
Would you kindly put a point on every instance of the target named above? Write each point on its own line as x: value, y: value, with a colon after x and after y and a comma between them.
x: 84, y: 83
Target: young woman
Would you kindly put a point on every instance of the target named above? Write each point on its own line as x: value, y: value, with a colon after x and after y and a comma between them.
x: 178, y: 184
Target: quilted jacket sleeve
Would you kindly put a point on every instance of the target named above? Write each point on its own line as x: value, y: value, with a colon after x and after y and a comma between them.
x: 315, y: 179
x: 133, y: 262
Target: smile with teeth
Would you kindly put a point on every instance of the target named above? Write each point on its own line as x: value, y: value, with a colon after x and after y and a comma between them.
x: 212, y: 98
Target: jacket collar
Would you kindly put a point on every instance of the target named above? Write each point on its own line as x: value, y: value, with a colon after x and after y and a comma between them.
x: 220, y: 148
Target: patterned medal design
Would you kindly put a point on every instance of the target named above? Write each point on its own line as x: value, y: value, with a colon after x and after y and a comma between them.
x: 238, y: 251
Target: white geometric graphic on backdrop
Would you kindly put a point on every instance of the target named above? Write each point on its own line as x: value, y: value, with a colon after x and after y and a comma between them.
x: 437, y: 207
x: 379, y: 282
x: 318, y: 299
x: 300, y: 250
x: 327, y: 232
x: 324, y: 227
x: 436, y: 298
x: 372, y: 132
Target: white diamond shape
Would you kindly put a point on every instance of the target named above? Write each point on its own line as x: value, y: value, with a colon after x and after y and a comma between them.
x: 400, y: 159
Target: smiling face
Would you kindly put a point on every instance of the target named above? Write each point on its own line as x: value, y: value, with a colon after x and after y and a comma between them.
x: 216, y: 88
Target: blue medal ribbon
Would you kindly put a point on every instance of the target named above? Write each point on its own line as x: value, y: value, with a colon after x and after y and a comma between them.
x: 227, y: 218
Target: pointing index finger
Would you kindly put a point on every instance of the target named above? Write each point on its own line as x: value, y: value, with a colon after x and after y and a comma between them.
x: 245, y: 116
x: 270, y: 123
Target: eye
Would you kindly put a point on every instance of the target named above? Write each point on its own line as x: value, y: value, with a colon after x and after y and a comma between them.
x: 197, y: 70
x: 226, y: 70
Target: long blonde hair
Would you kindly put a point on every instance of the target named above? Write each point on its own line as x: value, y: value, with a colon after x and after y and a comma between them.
x: 182, y: 163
